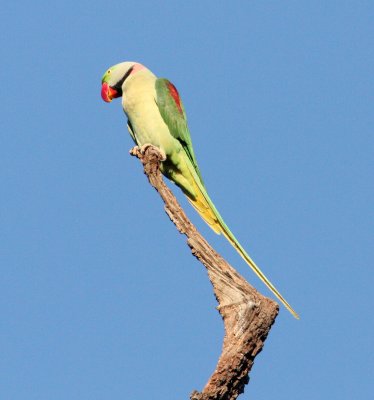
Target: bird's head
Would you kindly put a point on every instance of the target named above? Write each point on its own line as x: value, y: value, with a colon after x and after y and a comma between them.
x: 114, y: 78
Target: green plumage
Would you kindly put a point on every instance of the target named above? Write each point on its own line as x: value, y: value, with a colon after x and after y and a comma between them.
x: 172, y: 112
x: 156, y: 116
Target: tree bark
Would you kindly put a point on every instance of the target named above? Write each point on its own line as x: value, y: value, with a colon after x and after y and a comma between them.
x: 247, y: 314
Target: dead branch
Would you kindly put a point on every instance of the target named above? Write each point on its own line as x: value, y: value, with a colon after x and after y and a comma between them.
x: 247, y: 314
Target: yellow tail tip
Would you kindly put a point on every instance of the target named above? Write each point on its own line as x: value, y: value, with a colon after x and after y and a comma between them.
x: 295, y: 314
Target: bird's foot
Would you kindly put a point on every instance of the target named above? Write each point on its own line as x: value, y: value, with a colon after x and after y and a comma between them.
x: 135, y: 151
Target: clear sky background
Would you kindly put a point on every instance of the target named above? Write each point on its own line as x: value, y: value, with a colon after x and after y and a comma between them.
x: 100, y: 298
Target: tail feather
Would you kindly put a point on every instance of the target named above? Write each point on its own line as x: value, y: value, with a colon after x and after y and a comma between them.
x: 205, y: 207
x: 206, y: 213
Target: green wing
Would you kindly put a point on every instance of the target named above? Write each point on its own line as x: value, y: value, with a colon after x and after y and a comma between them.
x: 172, y: 112
x: 131, y: 131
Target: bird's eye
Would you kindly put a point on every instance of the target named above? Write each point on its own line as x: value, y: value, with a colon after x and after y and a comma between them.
x: 109, y: 71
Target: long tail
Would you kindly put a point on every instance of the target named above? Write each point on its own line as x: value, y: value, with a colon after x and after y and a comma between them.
x: 205, y: 207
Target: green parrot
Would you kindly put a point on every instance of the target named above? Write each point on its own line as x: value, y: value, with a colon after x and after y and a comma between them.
x: 156, y: 116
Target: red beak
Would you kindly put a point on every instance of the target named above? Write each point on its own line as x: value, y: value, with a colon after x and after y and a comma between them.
x: 108, y: 93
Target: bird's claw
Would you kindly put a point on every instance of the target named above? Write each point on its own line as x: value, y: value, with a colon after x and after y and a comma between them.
x: 135, y: 151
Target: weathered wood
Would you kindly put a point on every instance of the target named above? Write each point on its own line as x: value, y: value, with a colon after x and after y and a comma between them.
x: 247, y: 314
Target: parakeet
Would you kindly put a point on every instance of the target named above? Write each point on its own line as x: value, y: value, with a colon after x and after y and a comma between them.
x: 156, y: 116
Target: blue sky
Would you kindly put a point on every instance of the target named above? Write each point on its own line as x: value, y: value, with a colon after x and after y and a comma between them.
x: 100, y: 297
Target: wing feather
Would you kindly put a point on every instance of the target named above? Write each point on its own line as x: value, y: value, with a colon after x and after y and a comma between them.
x: 172, y: 112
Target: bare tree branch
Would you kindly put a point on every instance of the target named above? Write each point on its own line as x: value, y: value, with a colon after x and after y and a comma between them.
x: 247, y: 314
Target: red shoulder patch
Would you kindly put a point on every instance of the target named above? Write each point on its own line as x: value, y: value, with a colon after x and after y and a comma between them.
x: 175, y: 95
